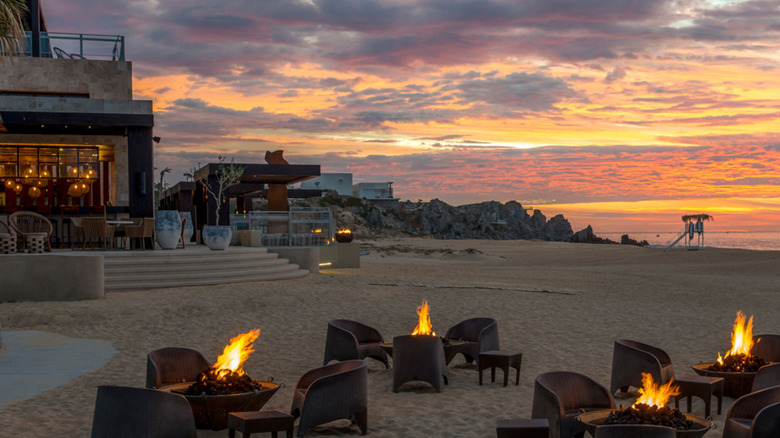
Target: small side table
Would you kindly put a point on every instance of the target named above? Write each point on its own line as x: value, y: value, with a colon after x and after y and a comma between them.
x: 538, y: 428
x: 500, y: 359
x: 260, y: 421
x: 36, y: 242
x: 7, y: 243
x: 702, y: 387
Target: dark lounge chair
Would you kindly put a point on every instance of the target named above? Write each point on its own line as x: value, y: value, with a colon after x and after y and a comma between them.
x: 631, y: 358
x: 767, y: 377
x: 768, y: 348
x: 754, y: 415
x: 171, y: 365
x: 634, y: 431
x: 331, y: 393
x: 560, y: 396
x: 122, y: 412
x: 348, y: 340
x: 418, y: 358
x: 482, y: 333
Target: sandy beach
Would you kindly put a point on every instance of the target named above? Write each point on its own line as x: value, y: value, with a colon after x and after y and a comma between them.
x: 561, y: 304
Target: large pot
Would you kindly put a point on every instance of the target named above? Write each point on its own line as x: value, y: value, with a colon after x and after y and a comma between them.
x: 167, y: 228
x: 189, y: 228
x: 211, y: 411
x: 591, y: 420
x: 216, y: 237
x: 736, y: 383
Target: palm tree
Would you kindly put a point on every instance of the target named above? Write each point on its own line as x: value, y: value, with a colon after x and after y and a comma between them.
x: 11, y: 28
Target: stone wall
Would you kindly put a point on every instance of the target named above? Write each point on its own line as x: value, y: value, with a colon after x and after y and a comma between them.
x: 99, y: 79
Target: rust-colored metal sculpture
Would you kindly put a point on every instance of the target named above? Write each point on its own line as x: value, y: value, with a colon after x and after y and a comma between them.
x: 277, y: 193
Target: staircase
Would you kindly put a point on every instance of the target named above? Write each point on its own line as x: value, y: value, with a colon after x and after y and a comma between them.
x: 194, y: 266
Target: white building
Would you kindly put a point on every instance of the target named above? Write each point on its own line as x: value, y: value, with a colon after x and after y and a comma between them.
x: 341, y: 183
x: 374, y: 191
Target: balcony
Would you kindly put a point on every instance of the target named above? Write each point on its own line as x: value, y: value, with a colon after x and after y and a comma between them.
x: 78, y: 46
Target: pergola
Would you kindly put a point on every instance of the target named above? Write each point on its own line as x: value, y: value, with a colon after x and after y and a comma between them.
x: 253, y: 183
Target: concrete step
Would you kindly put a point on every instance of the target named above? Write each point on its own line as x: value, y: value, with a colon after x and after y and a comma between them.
x: 135, y: 285
x: 184, y: 274
x: 139, y: 266
x: 196, y: 265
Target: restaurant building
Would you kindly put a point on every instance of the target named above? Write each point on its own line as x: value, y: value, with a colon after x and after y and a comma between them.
x: 73, y: 141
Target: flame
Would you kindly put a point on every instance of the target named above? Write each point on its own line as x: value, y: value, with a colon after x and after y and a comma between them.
x: 653, y: 394
x: 741, y: 337
x: 344, y: 231
x: 424, y: 326
x: 235, y: 354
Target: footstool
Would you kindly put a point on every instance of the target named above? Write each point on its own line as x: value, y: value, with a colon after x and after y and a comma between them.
x: 538, y: 428
x: 702, y: 387
x: 500, y: 359
x: 260, y: 421
x: 36, y: 242
x: 7, y: 243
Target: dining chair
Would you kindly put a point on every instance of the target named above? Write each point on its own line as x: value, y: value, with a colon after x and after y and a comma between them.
x: 97, y: 229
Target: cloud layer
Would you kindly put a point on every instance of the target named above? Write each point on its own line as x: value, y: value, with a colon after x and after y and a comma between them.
x: 466, y: 100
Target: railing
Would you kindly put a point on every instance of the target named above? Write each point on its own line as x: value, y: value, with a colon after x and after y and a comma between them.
x: 78, y: 46
x: 297, y: 227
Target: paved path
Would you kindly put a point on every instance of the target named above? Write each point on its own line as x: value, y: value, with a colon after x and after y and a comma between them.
x: 35, y: 361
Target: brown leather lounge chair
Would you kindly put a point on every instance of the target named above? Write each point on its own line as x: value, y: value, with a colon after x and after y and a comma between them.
x: 631, y: 358
x: 122, y: 412
x: 561, y: 396
x: 481, y: 333
x: 171, y: 365
x: 331, y: 393
x: 348, y: 340
x: 754, y: 415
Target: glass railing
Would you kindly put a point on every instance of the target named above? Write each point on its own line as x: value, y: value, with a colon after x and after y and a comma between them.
x: 297, y: 227
x: 78, y: 46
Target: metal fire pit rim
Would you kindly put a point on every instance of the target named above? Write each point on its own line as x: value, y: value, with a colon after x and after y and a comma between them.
x: 593, y: 419
x: 207, y: 409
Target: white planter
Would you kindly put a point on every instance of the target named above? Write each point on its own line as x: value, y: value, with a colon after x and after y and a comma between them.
x: 189, y: 228
x: 167, y: 228
x: 216, y: 237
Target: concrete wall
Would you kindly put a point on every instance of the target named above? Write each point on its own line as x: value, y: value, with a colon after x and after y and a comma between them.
x: 50, y: 277
x: 306, y: 257
x: 100, y: 79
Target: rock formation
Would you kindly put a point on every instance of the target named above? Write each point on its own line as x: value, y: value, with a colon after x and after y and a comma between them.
x: 487, y: 220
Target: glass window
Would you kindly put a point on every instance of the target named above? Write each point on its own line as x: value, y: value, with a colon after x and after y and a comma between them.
x: 8, y: 161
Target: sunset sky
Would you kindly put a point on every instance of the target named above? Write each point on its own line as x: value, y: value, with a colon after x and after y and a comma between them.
x: 621, y: 114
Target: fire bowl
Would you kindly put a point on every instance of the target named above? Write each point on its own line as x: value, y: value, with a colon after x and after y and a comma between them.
x: 344, y: 237
x: 211, y: 411
x: 591, y: 420
x: 735, y: 385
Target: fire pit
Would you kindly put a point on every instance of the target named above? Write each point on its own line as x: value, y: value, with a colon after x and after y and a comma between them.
x: 650, y: 408
x: 344, y: 236
x: 225, y: 387
x: 738, y: 367
x: 419, y: 356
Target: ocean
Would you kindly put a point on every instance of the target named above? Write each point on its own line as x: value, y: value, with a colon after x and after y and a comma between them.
x: 761, y: 241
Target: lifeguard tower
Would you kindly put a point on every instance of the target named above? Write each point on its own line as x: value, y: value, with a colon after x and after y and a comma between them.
x: 693, y: 228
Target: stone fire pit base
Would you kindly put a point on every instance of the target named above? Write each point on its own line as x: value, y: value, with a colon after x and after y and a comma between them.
x: 736, y: 384
x: 211, y: 411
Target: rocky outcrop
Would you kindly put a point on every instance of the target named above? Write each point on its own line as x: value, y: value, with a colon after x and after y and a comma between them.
x: 586, y: 236
x: 486, y: 220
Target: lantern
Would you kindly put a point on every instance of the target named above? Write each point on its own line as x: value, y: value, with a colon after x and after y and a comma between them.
x: 34, y: 192
x: 74, y: 190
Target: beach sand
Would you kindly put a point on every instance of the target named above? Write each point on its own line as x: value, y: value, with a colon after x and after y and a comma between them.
x: 561, y: 304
